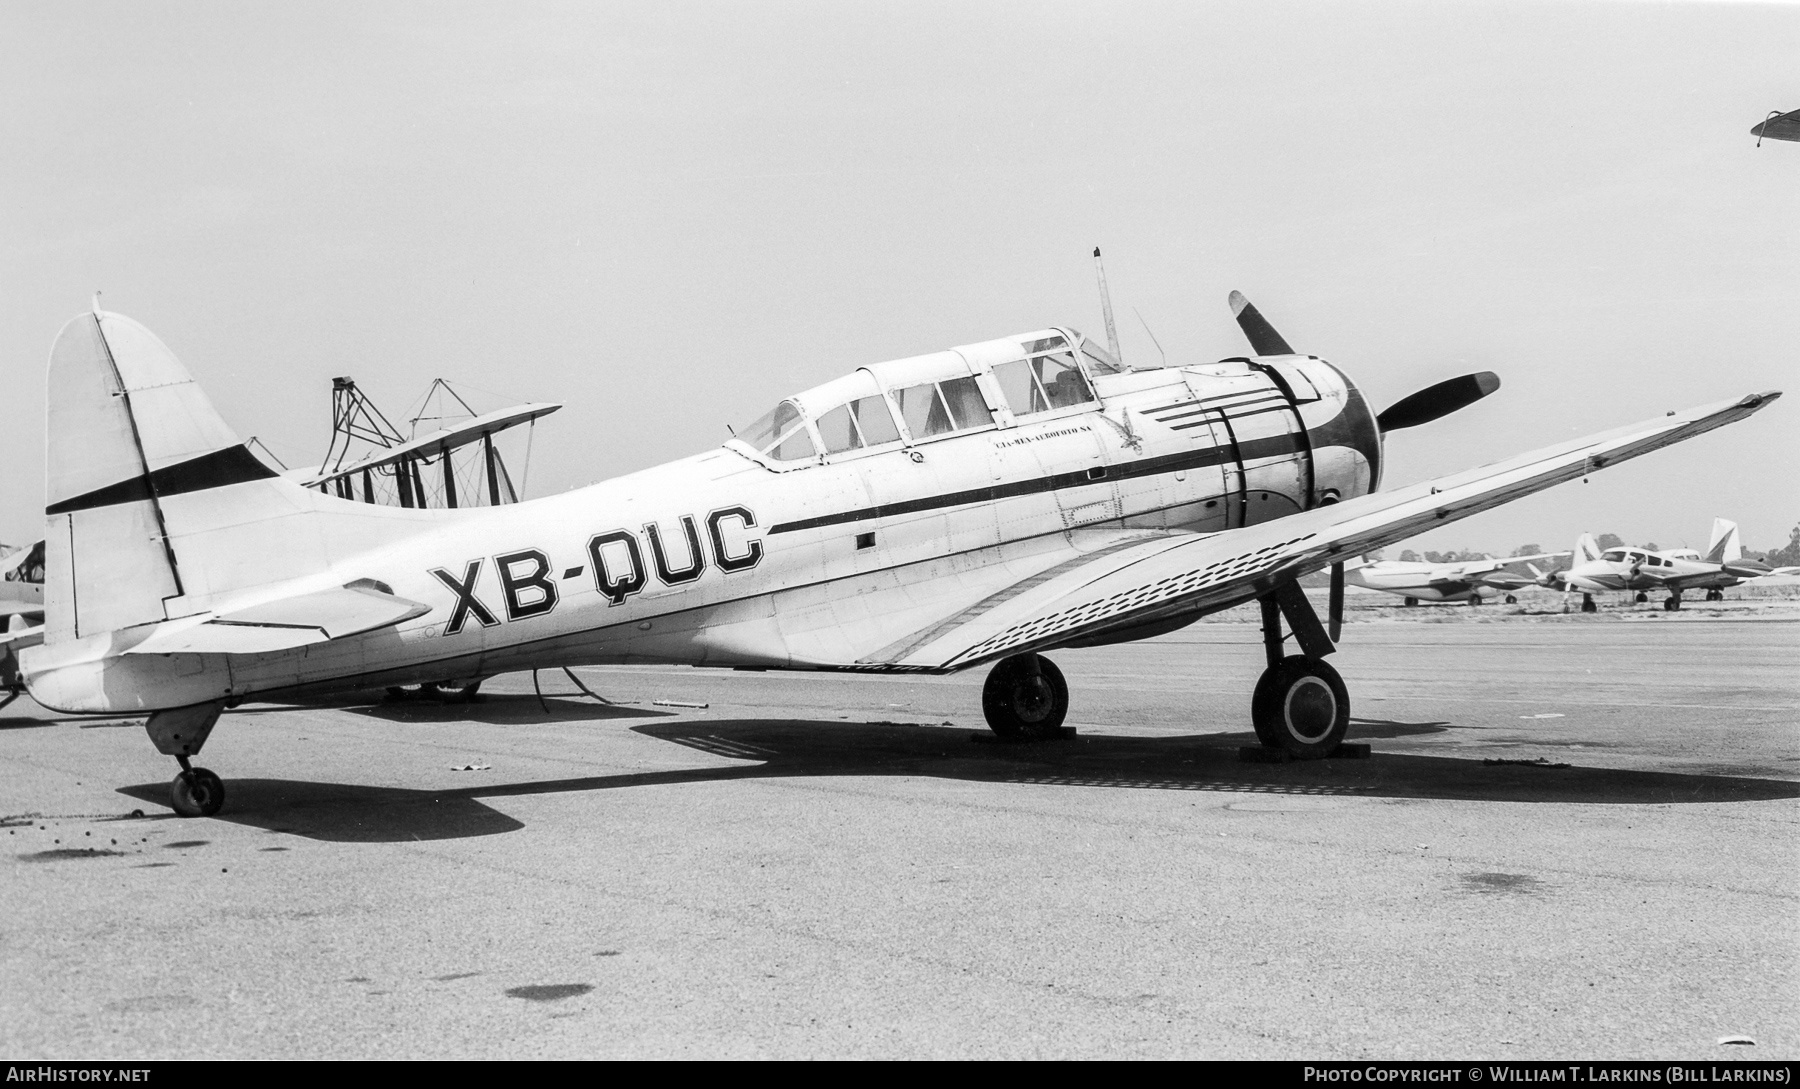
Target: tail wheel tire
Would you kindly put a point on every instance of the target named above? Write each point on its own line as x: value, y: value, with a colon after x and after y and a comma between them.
x: 197, y: 793
x: 1025, y: 697
x: 1301, y: 707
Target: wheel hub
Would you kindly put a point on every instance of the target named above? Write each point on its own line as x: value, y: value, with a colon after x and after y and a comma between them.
x: 1310, y: 709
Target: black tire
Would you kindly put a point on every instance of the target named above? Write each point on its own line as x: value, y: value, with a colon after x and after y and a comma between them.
x: 1673, y: 604
x: 1412, y: 601
x: 1301, y: 707
x: 1641, y: 597
x: 1511, y: 600
x: 1587, y: 604
x: 197, y: 793
x: 1023, y: 702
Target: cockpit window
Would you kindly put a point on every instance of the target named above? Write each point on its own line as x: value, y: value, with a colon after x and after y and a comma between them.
x: 865, y: 421
x: 1615, y: 556
x: 1100, y: 361
x: 794, y: 446
x: 874, y: 420
x: 1043, y: 383
x: 967, y: 406
x: 924, y: 411
x: 838, y: 431
x: 936, y: 408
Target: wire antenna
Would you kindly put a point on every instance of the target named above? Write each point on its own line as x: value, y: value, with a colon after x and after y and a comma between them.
x: 1153, y: 340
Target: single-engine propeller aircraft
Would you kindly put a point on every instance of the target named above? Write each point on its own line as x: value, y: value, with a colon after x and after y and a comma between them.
x: 1463, y: 580
x: 1641, y: 570
x: 968, y: 507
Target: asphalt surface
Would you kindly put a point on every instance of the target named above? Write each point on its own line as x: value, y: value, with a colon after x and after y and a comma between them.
x: 830, y: 866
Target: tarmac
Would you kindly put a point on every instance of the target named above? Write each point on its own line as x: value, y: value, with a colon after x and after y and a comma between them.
x: 1575, y: 838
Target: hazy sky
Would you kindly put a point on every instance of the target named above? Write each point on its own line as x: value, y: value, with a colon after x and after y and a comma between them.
x: 669, y: 215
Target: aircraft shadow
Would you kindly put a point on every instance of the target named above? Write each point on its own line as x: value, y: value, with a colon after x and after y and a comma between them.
x: 351, y: 813
x: 504, y: 709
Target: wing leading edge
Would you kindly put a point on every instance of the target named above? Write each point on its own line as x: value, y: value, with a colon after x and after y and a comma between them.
x: 1164, y: 579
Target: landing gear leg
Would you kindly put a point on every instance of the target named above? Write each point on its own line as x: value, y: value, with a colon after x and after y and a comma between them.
x: 1025, y: 698
x: 1300, y: 705
x: 180, y: 733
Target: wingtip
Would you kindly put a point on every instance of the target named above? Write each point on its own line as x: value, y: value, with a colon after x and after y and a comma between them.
x: 1757, y: 400
x: 1238, y: 302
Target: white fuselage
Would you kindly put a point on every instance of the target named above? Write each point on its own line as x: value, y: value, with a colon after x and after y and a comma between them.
x: 730, y: 558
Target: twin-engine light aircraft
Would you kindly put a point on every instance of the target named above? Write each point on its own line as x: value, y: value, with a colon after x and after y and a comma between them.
x: 968, y: 507
x: 1641, y: 570
x: 1464, y: 580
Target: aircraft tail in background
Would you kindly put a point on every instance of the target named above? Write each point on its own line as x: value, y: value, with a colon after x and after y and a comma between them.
x: 1725, y: 546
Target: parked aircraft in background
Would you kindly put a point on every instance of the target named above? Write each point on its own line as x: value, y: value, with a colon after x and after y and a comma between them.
x: 1464, y: 580
x: 968, y: 507
x: 22, y: 606
x: 1641, y: 570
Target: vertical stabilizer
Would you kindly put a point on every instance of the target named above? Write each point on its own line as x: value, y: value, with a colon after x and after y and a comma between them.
x: 1725, y: 545
x: 104, y: 524
x: 1586, y: 549
x: 154, y: 508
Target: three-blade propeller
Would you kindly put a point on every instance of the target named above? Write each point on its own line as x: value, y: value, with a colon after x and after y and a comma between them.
x: 1426, y: 405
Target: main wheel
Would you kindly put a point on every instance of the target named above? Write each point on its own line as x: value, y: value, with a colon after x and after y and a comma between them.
x: 1301, y: 706
x: 1025, y: 697
x: 1641, y: 598
x: 1673, y: 604
x: 197, y: 793
x: 1511, y: 600
x: 1587, y: 604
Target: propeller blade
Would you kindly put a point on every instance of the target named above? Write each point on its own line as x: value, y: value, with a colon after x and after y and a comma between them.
x: 1334, y: 613
x: 1264, y: 340
x: 1440, y: 400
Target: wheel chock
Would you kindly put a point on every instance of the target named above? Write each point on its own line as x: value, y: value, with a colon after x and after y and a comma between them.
x: 1258, y: 754
x: 1063, y: 733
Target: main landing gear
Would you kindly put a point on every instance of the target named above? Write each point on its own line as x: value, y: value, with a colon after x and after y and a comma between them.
x: 1300, y: 705
x: 1025, y: 698
x: 180, y: 732
x: 1673, y: 604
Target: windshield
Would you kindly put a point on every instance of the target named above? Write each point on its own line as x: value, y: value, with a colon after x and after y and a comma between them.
x: 781, y: 434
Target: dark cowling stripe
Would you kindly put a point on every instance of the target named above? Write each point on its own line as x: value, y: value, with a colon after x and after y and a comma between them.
x: 232, y: 465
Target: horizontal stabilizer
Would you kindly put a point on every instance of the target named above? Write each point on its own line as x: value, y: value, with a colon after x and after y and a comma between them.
x: 318, y: 617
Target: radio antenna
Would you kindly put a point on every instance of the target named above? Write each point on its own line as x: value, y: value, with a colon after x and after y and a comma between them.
x: 1112, y: 334
x: 1153, y: 340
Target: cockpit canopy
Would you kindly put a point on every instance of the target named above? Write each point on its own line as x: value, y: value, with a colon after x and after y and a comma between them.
x: 927, y: 396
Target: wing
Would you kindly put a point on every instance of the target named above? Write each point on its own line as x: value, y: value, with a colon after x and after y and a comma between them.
x: 1156, y: 584
x: 316, y: 617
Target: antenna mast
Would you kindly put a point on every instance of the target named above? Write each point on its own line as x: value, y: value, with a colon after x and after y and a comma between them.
x: 1112, y: 334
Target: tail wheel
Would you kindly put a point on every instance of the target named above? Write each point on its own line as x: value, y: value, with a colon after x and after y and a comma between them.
x: 196, y: 793
x: 1301, y: 707
x: 1025, y: 697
